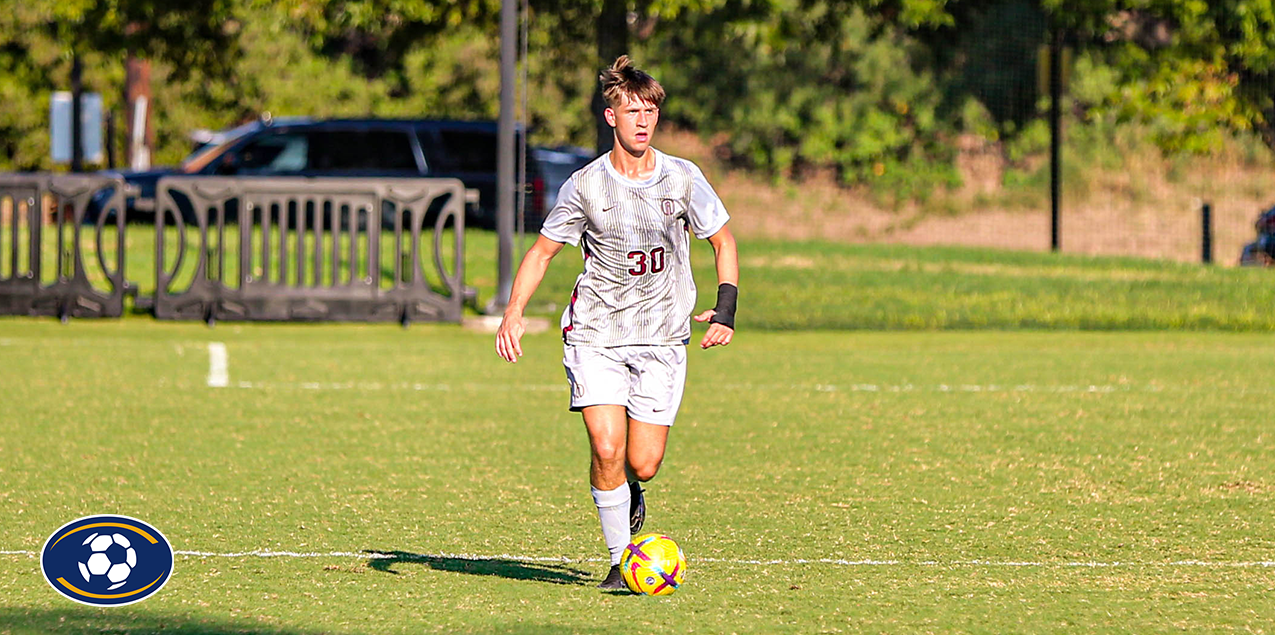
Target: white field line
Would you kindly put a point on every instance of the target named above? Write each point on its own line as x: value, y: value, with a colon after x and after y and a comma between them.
x: 268, y: 553
x: 218, y: 365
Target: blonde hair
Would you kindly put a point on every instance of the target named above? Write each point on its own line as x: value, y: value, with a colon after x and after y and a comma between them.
x: 623, y: 78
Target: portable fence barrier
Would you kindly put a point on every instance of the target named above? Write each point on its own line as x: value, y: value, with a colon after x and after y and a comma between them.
x: 347, y: 249
x: 47, y: 268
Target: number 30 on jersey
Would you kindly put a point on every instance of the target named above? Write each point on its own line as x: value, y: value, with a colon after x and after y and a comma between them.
x: 643, y: 262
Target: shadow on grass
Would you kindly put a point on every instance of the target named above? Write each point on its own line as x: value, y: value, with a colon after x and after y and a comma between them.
x: 501, y: 567
x: 116, y: 621
x: 113, y: 621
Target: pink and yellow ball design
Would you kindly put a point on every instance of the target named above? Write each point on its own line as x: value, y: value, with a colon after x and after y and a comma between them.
x: 653, y: 565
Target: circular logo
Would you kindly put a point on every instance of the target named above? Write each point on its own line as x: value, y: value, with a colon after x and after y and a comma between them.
x: 107, y: 560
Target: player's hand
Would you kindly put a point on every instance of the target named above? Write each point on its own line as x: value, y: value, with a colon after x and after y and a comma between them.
x: 509, y: 338
x: 718, y: 334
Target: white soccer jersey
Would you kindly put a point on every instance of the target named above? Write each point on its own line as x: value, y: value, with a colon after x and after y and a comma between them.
x: 636, y: 288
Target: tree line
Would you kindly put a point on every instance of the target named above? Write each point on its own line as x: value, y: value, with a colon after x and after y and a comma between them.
x: 870, y: 89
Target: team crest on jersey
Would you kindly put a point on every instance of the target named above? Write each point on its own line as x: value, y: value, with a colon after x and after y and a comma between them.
x: 668, y: 207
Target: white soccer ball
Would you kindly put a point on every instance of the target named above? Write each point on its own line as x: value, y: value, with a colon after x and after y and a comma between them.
x: 112, y: 556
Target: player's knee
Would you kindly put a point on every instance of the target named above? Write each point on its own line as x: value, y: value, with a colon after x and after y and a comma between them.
x: 646, y: 471
x: 608, y: 452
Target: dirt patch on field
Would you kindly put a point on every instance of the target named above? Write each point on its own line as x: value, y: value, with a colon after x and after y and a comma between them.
x: 1134, y: 212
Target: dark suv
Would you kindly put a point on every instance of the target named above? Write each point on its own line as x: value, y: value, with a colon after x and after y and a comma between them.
x: 465, y: 150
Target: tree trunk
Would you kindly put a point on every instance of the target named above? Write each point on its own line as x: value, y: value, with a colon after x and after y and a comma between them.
x: 139, y: 138
x: 613, y: 41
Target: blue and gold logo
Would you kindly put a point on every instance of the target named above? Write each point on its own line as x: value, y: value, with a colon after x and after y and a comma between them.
x: 107, y: 560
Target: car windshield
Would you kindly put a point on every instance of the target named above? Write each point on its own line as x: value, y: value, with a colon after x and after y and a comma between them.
x: 205, y: 154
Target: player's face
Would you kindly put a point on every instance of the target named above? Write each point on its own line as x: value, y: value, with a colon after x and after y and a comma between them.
x: 634, y: 122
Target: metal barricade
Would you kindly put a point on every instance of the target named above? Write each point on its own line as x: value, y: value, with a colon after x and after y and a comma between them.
x: 64, y: 206
x: 329, y: 249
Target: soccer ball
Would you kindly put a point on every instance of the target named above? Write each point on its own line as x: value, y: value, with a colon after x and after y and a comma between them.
x: 653, y: 565
x: 112, y: 557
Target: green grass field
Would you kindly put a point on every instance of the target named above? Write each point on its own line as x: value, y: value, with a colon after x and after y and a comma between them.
x: 819, y: 481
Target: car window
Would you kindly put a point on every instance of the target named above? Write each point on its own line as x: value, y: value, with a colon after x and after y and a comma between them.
x: 360, y: 150
x: 196, y: 163
x: 469, y: 151
x: 270, y: 153
x: 215, y: 145
x: 555, y: 167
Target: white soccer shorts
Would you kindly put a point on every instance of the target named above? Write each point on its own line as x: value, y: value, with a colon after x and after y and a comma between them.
x: 647, y: 380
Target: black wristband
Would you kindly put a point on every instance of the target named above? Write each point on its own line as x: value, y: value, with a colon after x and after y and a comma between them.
x: 727, y: 296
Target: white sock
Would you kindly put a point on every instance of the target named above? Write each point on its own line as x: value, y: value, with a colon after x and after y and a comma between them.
x: 613, y: 511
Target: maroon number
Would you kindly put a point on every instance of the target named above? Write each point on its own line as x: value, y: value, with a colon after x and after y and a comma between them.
x: 657, y: 260
x: 641, y: 263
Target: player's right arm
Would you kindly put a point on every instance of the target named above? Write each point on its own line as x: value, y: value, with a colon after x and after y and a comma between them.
x: 530, y: 273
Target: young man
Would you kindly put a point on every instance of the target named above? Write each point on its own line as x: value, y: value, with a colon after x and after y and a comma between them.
x: 628, y: 323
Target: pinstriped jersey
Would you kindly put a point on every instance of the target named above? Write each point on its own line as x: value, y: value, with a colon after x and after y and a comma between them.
x: 636, y: 288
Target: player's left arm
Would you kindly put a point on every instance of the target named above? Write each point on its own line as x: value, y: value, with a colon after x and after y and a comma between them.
x: 721, y: 318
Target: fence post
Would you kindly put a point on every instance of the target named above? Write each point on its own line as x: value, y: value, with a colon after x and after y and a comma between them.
x: 1206, y: 233
x: 110, y: 139
x: 1055, y: 137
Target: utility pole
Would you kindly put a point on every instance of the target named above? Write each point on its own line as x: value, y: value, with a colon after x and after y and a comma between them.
x: 505, y: 159
x: 77, y: 115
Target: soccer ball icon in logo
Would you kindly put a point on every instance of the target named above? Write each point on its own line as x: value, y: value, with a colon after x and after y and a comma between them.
x: 653, y: 565
x: 123, y: 560
x: 112, y: 556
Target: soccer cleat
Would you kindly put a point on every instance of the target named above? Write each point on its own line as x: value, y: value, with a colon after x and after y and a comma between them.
x: 637, y: 508
x: 614, y: 580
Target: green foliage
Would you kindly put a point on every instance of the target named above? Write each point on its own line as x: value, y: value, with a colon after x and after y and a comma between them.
x: 27, y: 55
x: 276, y: 72
x: 188, y: 33
x: 807, y: 87
x: 37, y: 41
x: 1195, y: 70
x: 457, y: 74
x: 993, y: 58
x: 378, y: 34
x: 275, y: 64
x: 880, y: 91
x: 34, y: 62
x: 1188, y: 105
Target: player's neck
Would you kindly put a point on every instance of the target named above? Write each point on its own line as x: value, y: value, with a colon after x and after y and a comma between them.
x: 637, y: 168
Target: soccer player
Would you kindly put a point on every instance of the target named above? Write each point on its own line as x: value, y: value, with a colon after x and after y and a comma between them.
x: 628, y: 322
